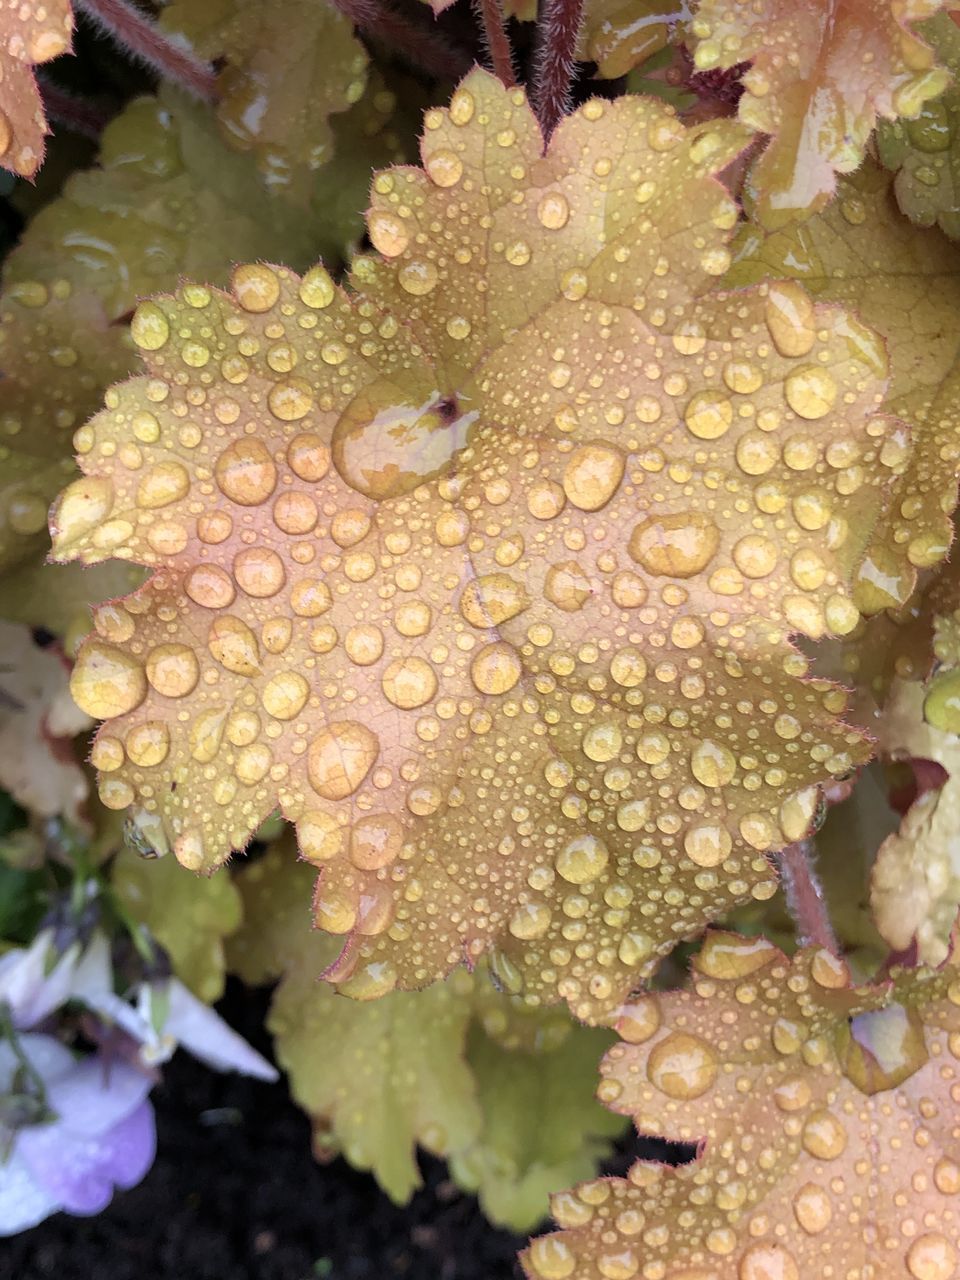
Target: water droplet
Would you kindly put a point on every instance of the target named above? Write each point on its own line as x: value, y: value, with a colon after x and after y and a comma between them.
x: 567, y: 586
x: 811, y: 1208
x: 82, y: 507
x: 234, y: 646
x: 340, y: 758
x: 824, y: 1136
x: 675, y: 546
x: 767, y: 1262
x: 879, y: 1050
x: 210, y: 587
x: 712, y: 764
x: 791, y: 318
x: 164, y: 483
x: 682, y: 1066
x: 418, y: 278
x: 552, y: 1258
x: 148, y: 743
x: 707, y: 844
x: 755, y: 556
x: 638, y: 1020
x: 319, y: 837
x: 285, y: 694
x: 375, y: 841
x: 941, y: 706
x: 932, y: 1257
x: 811, y: 392
x: 409, y: 683
x: 245, y: 472
x: 290, y: 400
x: 492, y: 599
x: 582, y: 859
x: 149, y: 327
x: 388, y: 233
x: 553, y: 211
x: 317, y: 290
x: 709, y: 415
x: 255, y: 287
x: 529, y: 921
x: 384, y: 446
x: 592, y: 476
x: 444, y: 167
x: 496, y: 668
x: 106, y: 682
x: 334, y: 911
x: 259, y: 572
x: 173, y: 670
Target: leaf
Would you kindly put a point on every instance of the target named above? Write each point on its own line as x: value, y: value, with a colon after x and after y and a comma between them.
x: 541, y: 1129
x: 30, y: 34
x: 915, y: 887
x: 821, y: 74
x: 619, y: 35
x: 514, y: 658
x: 38, y: 717
x: 168, y: 199
x: 825, y: 1118
x: 290, y: 66
x: 190, y: 918
x: 505, y: 1092
x: 906, y: 283
x: 925, y: 152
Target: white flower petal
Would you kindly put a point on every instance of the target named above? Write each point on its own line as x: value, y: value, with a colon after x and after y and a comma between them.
x: 206, y: 1035
x: 23, y: 1202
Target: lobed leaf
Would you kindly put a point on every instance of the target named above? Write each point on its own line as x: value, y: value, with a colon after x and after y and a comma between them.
x: 821, y: 73
x: 30, y: 34
x: 190, y: 919
x: 503, y: 1091
x: 485, y: 572
x: 165, y: 200
x: 38, y: 717
x: 825, y: 1117
x: 925, y: 152
x: 906, y: 283
x: 290, y: 66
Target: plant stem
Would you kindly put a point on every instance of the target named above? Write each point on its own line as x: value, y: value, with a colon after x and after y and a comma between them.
x: 490, y: 13
x: 75, y: 114
x: 554, y: 63
x: 417, y: 44
x: 140, y: 38
x: 805, y: 898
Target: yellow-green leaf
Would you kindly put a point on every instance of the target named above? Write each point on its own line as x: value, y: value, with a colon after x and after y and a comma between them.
x: 189, y: 917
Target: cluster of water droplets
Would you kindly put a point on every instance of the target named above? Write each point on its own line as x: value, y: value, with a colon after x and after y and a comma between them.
x: 493, y: 603
x: 828, y: 1117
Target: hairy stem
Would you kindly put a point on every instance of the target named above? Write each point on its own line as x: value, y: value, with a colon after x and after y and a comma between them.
x: 554, y: 61
x: 490, y: 13
x: 84, y: 118
x: 415, y: 42
x: 141, y: 39
x: 805, y: 898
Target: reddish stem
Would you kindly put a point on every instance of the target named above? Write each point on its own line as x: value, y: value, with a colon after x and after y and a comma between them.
x: 73, y: 113
x: 805, y: 897
x: 140, y: 38
x: 555, y: 61
x: 490, y: 13
x: 417, y: 44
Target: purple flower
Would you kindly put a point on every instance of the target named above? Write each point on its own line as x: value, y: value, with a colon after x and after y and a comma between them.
x: 101, y: 1135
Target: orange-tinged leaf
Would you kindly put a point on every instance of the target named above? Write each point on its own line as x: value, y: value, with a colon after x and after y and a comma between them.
x: 821, y: 74
x: 38, y: 719
x: 904, y: 282
x: 167, y: 198
x: 826, y: 1117
x: 30, y: 33
x: 485, y: 572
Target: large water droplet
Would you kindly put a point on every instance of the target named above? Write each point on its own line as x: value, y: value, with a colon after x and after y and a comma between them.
x: 340, y: 758
x: 246, y: 472
x: 682, y: 1066
x: 107, y: 682
x: 675, y: 546
x: 384, y: 445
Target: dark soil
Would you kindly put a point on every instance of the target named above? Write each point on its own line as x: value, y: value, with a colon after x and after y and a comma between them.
x: 235, y: 1194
